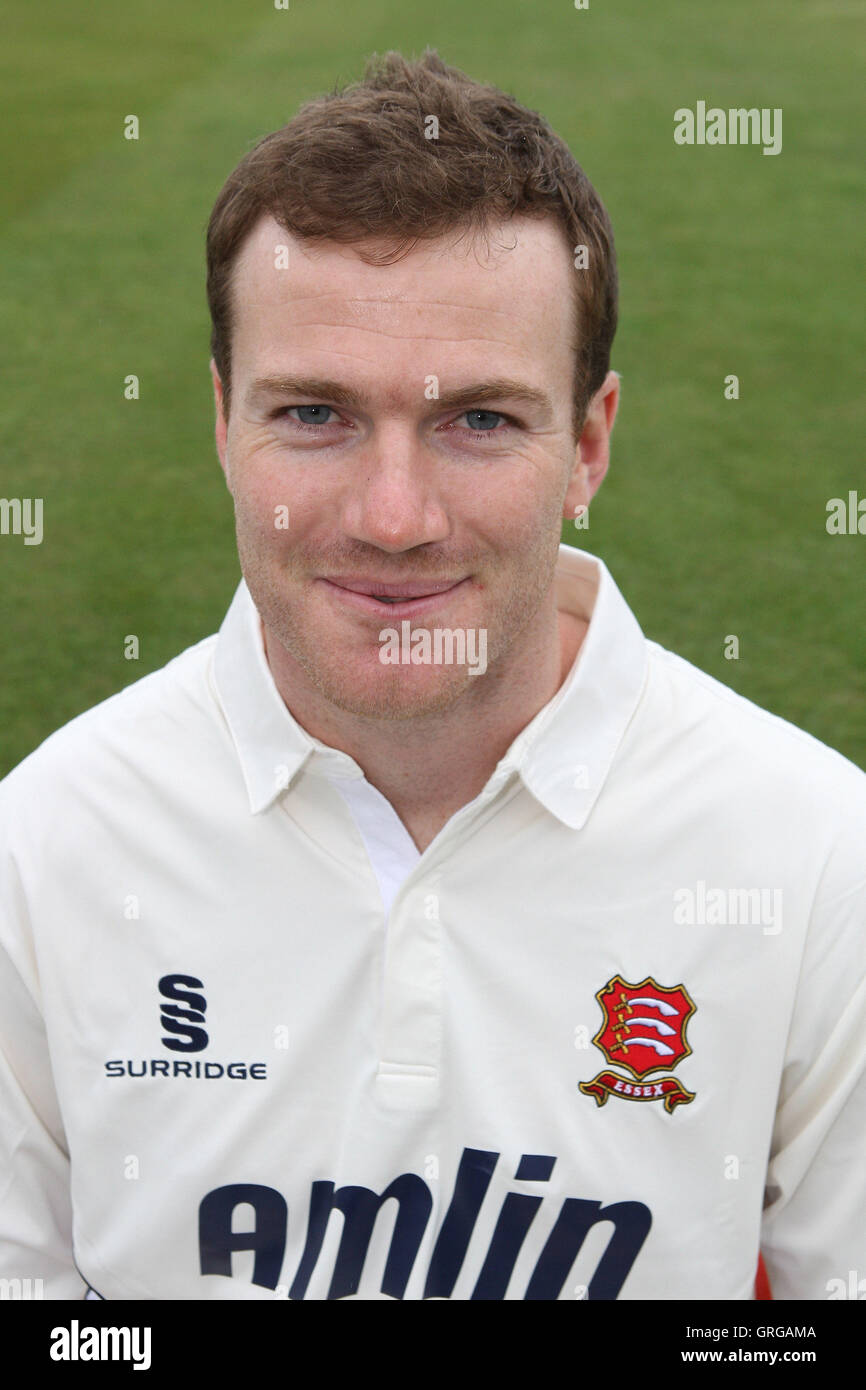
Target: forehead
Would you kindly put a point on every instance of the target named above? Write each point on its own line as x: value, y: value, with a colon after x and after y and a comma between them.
x: 509, y: 290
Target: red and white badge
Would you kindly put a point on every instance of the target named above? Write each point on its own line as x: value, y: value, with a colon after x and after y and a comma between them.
x: 644, y: 1031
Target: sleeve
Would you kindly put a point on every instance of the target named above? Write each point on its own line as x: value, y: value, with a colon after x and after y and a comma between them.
x: 814, y: 1220
x: 35, y: 1202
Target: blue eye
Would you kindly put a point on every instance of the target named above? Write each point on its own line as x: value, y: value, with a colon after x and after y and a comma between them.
x: 491, y: 415
x: 317, y: 418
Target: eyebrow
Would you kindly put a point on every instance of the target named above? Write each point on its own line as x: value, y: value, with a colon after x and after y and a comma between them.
x: 321, y: 389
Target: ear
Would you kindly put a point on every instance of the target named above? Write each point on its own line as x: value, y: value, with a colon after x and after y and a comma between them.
x: 221, y: 429
x: 592, y: 454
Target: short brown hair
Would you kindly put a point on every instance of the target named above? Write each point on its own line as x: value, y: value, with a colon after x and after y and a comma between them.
x: 356, y: 164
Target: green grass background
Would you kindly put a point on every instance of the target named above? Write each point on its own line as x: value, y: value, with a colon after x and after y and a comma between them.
x: 712, y: 518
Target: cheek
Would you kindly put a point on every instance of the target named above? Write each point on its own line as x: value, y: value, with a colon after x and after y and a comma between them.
x: 260, y: 489
x: 528, y: 514
x: 283, y: 519
x: 508, y: 503
x: 263, y: 524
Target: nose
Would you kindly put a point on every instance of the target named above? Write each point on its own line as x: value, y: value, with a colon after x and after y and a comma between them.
x: 392, y: 499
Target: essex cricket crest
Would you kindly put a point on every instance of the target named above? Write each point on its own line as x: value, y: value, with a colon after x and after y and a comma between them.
x: 644, y: 1031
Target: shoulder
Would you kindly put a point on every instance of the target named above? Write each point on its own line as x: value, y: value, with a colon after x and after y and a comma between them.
x: 156, y: 717
x: 752, y: 776
x: 705, y: 711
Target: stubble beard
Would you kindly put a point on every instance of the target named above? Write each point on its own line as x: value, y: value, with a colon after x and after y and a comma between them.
x: 386, y: 696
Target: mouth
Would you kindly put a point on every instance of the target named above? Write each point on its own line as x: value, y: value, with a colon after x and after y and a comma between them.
x: 397, y: 600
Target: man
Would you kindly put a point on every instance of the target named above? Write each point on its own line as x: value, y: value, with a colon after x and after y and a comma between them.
x: 427, y: 933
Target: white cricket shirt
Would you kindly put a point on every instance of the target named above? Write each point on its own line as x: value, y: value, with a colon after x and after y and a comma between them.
x: 605, y: 1037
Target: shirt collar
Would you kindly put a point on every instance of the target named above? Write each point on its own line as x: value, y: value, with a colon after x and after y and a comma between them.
x: 562, y: 756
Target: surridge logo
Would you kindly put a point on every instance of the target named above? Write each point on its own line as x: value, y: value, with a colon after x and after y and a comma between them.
x: 173, y: 1015
x: 182, y: 1017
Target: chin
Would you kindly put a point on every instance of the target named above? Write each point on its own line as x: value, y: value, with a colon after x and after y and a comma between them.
x: 392, y: 696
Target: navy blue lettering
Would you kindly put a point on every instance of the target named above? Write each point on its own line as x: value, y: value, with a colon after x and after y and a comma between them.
x: 516, y: 1217
x: 473, y: 1179
x: 217, y: 1240
x: 360, y: 1207
x: 535, y: 1167
x: 631, y: 1223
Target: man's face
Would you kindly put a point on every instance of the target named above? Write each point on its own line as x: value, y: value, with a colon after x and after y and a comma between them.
x: 373, y: 474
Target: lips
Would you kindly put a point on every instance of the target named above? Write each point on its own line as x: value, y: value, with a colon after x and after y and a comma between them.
x: 383, y: 589
x: 400, y: 600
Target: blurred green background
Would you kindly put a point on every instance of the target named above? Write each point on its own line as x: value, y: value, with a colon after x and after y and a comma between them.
x: 712, y: 518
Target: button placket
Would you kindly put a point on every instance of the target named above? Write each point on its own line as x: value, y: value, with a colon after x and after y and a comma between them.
x: 411, y: 1024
